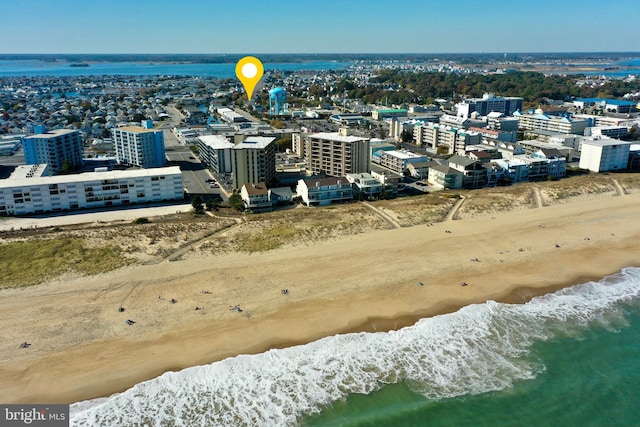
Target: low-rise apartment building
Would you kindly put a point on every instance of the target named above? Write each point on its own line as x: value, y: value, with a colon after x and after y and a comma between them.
x: 560, y: 124
x: 475, y: 174
x: 445, y: 177
x: 21, y: 196
x: 399, y: 160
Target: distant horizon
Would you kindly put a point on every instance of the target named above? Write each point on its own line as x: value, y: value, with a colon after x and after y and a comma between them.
x: 613, y: 52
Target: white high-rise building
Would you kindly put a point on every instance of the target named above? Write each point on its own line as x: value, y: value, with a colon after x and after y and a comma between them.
x: 138, y: 146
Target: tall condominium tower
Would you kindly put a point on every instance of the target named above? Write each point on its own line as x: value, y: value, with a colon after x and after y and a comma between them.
x: 138, y: 146
x: 55, y: 148
x: 336, y: 153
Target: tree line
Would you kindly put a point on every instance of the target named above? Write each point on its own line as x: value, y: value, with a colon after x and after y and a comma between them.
x: 399, y: 87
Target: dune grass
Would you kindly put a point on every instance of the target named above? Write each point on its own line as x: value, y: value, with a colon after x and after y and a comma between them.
x: 30, y: 262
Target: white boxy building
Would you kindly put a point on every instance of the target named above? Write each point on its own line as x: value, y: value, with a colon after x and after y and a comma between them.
x: 604, y: 154
x: 21, y: 196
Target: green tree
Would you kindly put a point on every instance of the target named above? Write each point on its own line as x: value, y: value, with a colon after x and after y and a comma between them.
x: 442, y: 150
x: 213, y: 204
x: 137, y: 117
x: 278, y: 124
x: 235, y: 201
x: 197, y: 205
x: 283, y: 143
x: 67, y: 167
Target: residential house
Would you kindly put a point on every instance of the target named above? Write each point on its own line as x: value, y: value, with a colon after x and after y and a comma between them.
x: 256, y: 196
x: 324, y: 191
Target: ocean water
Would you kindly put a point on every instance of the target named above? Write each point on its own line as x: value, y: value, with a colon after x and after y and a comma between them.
x: 571, y: 358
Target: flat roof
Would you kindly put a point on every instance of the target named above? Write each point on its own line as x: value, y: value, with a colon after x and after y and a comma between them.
x: 403, y: 154
x: 136, y: 129
x: 54, y: 132
x: 255, y: 142
x: 22, y: 171
x: 217, y: 142
x: 335, y: 136
x: 605, y: 142
x: 89, y: 176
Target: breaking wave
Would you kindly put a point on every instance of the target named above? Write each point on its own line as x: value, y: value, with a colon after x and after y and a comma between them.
x: 480, y: 348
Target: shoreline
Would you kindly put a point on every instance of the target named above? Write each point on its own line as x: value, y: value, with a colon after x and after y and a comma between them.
x: 361, y: 283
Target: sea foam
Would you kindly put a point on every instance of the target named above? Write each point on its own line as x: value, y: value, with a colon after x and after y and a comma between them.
x: 480, y: 348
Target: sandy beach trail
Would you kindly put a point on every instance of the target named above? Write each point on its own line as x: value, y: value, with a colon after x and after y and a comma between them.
x: 82, y: 347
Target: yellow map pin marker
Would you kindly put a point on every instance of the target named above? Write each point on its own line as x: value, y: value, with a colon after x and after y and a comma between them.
x: 249, y: 71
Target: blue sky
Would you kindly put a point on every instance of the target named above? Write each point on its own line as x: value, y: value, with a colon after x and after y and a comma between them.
x: 325, y: 26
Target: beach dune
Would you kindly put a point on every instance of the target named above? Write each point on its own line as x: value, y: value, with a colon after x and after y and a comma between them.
x: 83, y: 348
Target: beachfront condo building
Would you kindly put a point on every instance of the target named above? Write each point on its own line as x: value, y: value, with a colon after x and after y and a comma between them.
x: 139, y: 146
x: 336, y: 153
x: 604, y: 154
x: 256, y: 197
x: 249, y: 159
x: 61, y: 149
x: 253, y: 160
x: 35, y: 193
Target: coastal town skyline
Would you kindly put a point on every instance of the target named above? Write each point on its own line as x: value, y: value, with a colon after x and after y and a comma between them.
x: 328, y: 27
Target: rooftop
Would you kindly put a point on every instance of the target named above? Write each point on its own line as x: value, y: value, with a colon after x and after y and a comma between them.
x: 136, y: 129
x: 216, y: 142
x: 89, y: 176
x: 335, y: 136
x: 53, y: 133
